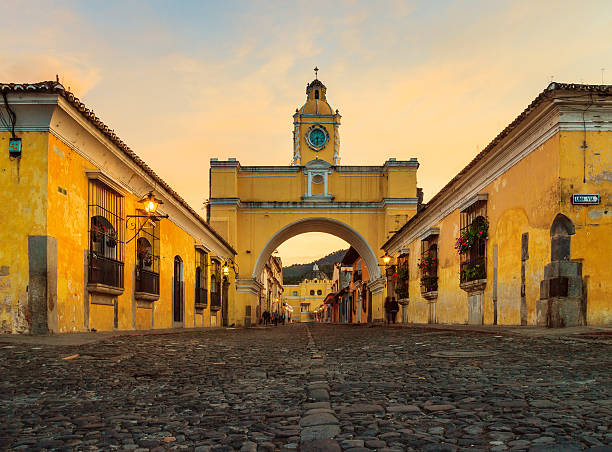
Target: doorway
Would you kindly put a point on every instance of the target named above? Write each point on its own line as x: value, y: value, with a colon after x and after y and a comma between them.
x: 178, y: 302
x: 224, y: 304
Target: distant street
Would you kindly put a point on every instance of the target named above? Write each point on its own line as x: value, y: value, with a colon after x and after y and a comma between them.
x: 252, y: 389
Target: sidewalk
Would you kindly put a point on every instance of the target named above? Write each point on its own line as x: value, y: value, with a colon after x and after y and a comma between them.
x: 75, y: 339
x: 527, y: 331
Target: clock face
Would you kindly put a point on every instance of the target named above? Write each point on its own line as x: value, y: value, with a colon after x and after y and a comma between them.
x: 317, y: 138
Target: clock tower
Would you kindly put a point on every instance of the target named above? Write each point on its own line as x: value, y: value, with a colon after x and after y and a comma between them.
x: 315, y: 128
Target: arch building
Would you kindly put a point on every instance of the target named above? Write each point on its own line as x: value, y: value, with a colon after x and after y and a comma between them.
x: 256, y: 208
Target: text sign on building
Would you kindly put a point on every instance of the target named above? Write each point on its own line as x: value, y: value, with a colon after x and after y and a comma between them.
x: 586, y: 200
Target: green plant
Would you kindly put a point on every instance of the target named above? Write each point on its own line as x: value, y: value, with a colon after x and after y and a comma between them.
x: 478, y: 230
x: 428, y: 262
x: 401, y: 278
x: 473, y: 272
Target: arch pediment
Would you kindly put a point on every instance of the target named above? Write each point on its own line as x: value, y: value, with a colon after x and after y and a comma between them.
x: 318, y: 164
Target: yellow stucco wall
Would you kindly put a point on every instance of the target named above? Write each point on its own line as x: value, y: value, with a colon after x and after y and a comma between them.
x: 590, y: 172
x: 23, y: 202
x: 514, y: 206
x: 48, y: 190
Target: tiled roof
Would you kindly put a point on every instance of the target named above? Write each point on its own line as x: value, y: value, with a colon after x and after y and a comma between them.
x: 51, y: 87
x: 545, y: 95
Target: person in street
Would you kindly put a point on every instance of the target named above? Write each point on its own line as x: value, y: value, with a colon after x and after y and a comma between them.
x: 388, y: 309
x: 394, y: 309
x: 266, y: 317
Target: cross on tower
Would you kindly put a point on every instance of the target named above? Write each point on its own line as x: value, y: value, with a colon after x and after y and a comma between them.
x: 316, y: 69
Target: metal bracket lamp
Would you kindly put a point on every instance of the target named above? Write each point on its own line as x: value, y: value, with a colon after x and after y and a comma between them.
x: 150, y: 204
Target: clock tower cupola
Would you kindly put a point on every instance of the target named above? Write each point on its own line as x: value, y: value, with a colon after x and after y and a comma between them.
x: 316, y: 127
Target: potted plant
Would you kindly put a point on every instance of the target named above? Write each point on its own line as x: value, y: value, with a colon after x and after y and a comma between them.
x: 111, y: 237
x: 400, y: 278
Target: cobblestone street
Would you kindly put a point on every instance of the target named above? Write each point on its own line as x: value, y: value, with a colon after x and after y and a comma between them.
x: 274, y: 388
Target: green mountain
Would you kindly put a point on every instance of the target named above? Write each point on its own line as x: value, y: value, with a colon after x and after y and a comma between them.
x: 293, y: 274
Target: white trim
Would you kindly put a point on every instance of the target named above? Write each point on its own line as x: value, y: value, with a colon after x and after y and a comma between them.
x: 97, y: 174
x: 473, y: 200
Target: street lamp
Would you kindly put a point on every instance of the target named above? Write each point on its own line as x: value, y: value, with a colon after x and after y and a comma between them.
x: 151, y: 203
x: 386, y: 259
x: 226, y: 270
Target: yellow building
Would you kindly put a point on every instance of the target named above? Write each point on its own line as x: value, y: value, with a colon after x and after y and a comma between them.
x: 270, y: 299
x: 256, y: 208
x: 523, y: 234
x: 304, y: 298
x: 83, y: 245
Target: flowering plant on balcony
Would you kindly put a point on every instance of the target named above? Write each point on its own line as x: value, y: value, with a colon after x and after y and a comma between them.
x: 478, y: 230
x: 427, y: 263
x: 101, y: 232
x: 400, y: 278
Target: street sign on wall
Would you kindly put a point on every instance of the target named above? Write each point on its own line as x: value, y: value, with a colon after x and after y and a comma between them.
x: 586, y: 200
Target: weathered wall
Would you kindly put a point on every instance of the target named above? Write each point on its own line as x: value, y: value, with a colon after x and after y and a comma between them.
x: 589, y: 171
x: 523, y: 199
x: 23, y: 203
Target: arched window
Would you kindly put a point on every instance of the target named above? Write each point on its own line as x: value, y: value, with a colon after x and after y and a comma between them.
x: 319, y: 292
x: 213, y: 283
x: 312, y: 292
x: 316, y: 93
x: 103, y: 237
x: 560, y: 238
x: 144, y: 254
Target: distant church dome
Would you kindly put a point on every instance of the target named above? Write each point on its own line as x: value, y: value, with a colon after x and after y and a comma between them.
x: 315, y: 274
x: 316, y: 100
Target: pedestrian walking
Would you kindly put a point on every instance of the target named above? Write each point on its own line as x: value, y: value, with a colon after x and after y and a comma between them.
x: 394, y: 309
x: 388, y: 309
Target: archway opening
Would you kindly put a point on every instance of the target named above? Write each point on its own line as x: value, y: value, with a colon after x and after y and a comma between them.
x: 315, y: 300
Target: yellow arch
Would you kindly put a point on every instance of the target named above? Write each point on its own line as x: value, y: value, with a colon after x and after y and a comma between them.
x: 320, y: 224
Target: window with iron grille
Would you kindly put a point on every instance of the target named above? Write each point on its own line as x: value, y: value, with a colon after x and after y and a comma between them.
x: 201, y: 274
x: 398, y: 277
x: 105, y: 210
x: 474, y: 233
x: 429, y: 264
x: 215, y: 285
x: 147, y: 256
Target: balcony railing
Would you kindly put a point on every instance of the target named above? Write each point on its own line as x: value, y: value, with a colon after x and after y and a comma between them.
x: 201, y: 296
x: 215, y: 301
x: 429, y: 284
x: 147, y: 281
x: 104, y: 270
x: 473, y: 269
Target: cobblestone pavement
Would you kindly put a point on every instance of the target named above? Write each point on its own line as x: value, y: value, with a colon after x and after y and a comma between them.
x: 264, y: 389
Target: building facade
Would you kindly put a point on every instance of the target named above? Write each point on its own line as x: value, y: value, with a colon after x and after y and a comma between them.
x: 90, y: 237
x: 257, y: 208
x: 523, y: 234
x: 270, y: 298
x: 359, y: 294
x: 307, y: 296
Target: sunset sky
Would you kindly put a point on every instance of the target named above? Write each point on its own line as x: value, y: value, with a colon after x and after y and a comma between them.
x: 181, y: 82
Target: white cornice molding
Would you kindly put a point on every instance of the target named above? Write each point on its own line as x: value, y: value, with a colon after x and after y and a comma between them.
x: 471, y: 201
x: 97, y: 174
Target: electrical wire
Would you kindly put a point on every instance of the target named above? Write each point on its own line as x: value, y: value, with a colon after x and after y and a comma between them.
x: 11, y: 113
